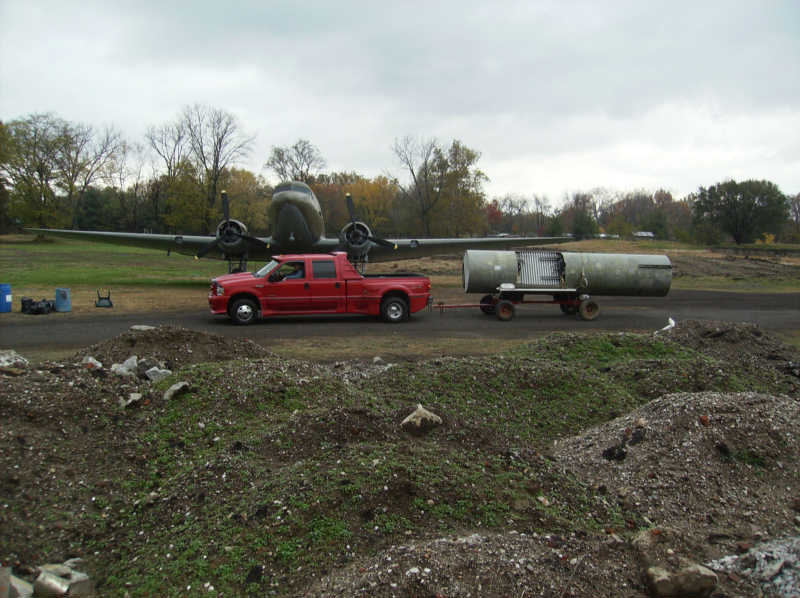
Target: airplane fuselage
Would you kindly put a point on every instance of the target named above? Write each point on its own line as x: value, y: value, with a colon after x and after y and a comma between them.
x: 296, y: 217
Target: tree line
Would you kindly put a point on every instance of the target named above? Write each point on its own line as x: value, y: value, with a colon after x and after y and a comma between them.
x: 59, y: 174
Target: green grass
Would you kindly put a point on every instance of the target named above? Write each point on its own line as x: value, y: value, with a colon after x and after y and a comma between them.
x: 67, y: 262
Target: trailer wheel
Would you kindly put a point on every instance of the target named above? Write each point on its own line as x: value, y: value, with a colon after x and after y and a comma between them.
x: 588, y: 310
x: 243, y: 312
x: 505, y: 311
x: 568, y: 308
x: 487, y: 305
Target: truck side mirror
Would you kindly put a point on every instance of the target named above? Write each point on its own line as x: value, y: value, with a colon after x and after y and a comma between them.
x: 274, y: 277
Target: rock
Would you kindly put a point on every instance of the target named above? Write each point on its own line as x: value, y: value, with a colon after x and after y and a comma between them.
x: 9, y: 357
x: 5, y: 581
x: 142, y: 327
x: 11, y: 371
x: 378, y: 360
x: 155, y: 374
x: 176, y: 389
x: 74, y: 563
x: 91, y: 363
x: 660, y: 581
x: 127, y: 368
x: 59, y: 580
x: 19, y: 588
x: 616, y: 452
x: 133, y: 398
x: 694, y: 580
x: 420, y: 421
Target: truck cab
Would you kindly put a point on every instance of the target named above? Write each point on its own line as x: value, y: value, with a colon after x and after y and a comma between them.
x: 316, y: 284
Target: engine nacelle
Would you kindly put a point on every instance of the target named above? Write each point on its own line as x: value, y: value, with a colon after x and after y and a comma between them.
x: 355, y: 238
x: 230, y: 239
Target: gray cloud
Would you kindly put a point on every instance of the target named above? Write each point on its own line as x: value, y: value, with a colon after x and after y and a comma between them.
x: 556, y: 95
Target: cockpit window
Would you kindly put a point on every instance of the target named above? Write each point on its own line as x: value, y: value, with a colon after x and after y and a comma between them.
x: 266, y: 269
x: 293, y: 186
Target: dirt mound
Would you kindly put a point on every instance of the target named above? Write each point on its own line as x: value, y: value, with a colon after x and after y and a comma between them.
x: 173, y: 346
x: 491, y: 565
x: 722, y: 468
x: 725, y: 339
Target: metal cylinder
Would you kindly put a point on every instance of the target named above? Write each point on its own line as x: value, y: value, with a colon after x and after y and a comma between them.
x: 618, y: 274
x: 593, y: 273
x: 483, y: 271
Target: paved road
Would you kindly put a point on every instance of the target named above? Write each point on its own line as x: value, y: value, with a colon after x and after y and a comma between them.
x: 780, y: 312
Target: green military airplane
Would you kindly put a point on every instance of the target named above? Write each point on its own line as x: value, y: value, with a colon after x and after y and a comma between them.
x: 297, y: 227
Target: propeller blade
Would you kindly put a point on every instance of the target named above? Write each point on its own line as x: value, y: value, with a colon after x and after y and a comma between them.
x: 204, y: 250
x: 255, y: 241
x: 383, y: 242
x: 351, y: 208
x: 225, y: 206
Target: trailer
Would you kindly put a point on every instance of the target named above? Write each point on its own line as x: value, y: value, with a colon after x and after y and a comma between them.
x: 570, y: 279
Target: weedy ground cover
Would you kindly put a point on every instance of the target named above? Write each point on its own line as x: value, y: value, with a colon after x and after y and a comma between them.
x: 271, y: 473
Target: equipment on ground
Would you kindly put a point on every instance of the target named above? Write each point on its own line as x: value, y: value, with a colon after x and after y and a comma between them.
x: 103, y: 300
x: 570, y: 278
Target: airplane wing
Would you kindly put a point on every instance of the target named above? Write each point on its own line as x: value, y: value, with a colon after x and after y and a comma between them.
x: 411, y: 248
x: 405, y: 248
x: 186, y: 244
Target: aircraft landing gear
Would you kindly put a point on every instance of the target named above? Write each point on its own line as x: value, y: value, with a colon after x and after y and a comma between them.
x: 242, y: 267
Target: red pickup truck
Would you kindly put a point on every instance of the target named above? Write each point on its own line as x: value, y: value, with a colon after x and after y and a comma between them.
x: 316, y: 284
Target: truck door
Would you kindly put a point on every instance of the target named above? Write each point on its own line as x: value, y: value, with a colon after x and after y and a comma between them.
x: 327, y: 291
x: 288, y: 289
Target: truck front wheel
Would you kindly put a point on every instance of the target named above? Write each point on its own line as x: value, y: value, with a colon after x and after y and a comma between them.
x: 243, y: 312
x: 394, y: 309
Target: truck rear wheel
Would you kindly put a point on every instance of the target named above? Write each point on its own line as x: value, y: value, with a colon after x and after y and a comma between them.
x: 243, y: 312
x: 394, y: 309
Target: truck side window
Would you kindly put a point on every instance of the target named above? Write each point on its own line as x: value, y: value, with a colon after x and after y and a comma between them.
x: 324, y: 268
x: 291, y: 270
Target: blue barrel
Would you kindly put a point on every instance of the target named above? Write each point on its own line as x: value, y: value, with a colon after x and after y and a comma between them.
x: 63, y: 302
x: 5, y: 297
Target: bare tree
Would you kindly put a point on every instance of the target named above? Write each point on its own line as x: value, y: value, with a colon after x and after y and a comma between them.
x: 425, y: 190
x: 84, y: 157
x: 216, y: 142
x: 300, y: 162
x: 170, y: 142
x: 794, y: 211
x: 129, y: 183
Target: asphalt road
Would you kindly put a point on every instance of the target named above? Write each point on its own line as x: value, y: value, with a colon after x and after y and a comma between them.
x: 65, y: 331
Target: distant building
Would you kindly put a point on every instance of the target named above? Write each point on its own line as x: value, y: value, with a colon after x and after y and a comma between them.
x: 643, y: 234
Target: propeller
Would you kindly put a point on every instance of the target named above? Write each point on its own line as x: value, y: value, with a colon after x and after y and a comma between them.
x: 358, y: 231
x: 232, y: 237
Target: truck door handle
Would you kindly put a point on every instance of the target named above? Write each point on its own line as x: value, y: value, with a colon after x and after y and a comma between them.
x: 305, y: 286
x: 337, y: 285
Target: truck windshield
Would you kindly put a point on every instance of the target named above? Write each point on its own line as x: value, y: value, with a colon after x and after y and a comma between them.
x: 266, y: 269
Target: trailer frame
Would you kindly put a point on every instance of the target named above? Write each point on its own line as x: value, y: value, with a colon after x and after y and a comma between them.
x: 503, y: 302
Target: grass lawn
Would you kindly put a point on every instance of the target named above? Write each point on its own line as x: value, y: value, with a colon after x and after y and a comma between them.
x: 146, y: 279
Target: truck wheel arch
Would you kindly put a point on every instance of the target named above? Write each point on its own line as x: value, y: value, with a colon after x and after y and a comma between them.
x: 232, y: 301
x: 393, y: 312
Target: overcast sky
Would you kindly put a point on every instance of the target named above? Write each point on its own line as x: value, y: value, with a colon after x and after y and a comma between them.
x: 557, y: 96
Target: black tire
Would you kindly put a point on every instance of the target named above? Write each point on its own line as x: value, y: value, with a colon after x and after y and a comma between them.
x: 505, y: 310
x: 487, y: 305
x: 588, y: 310
x: 568, y: 309
x: 244, y: 312
x: 394, y: 309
